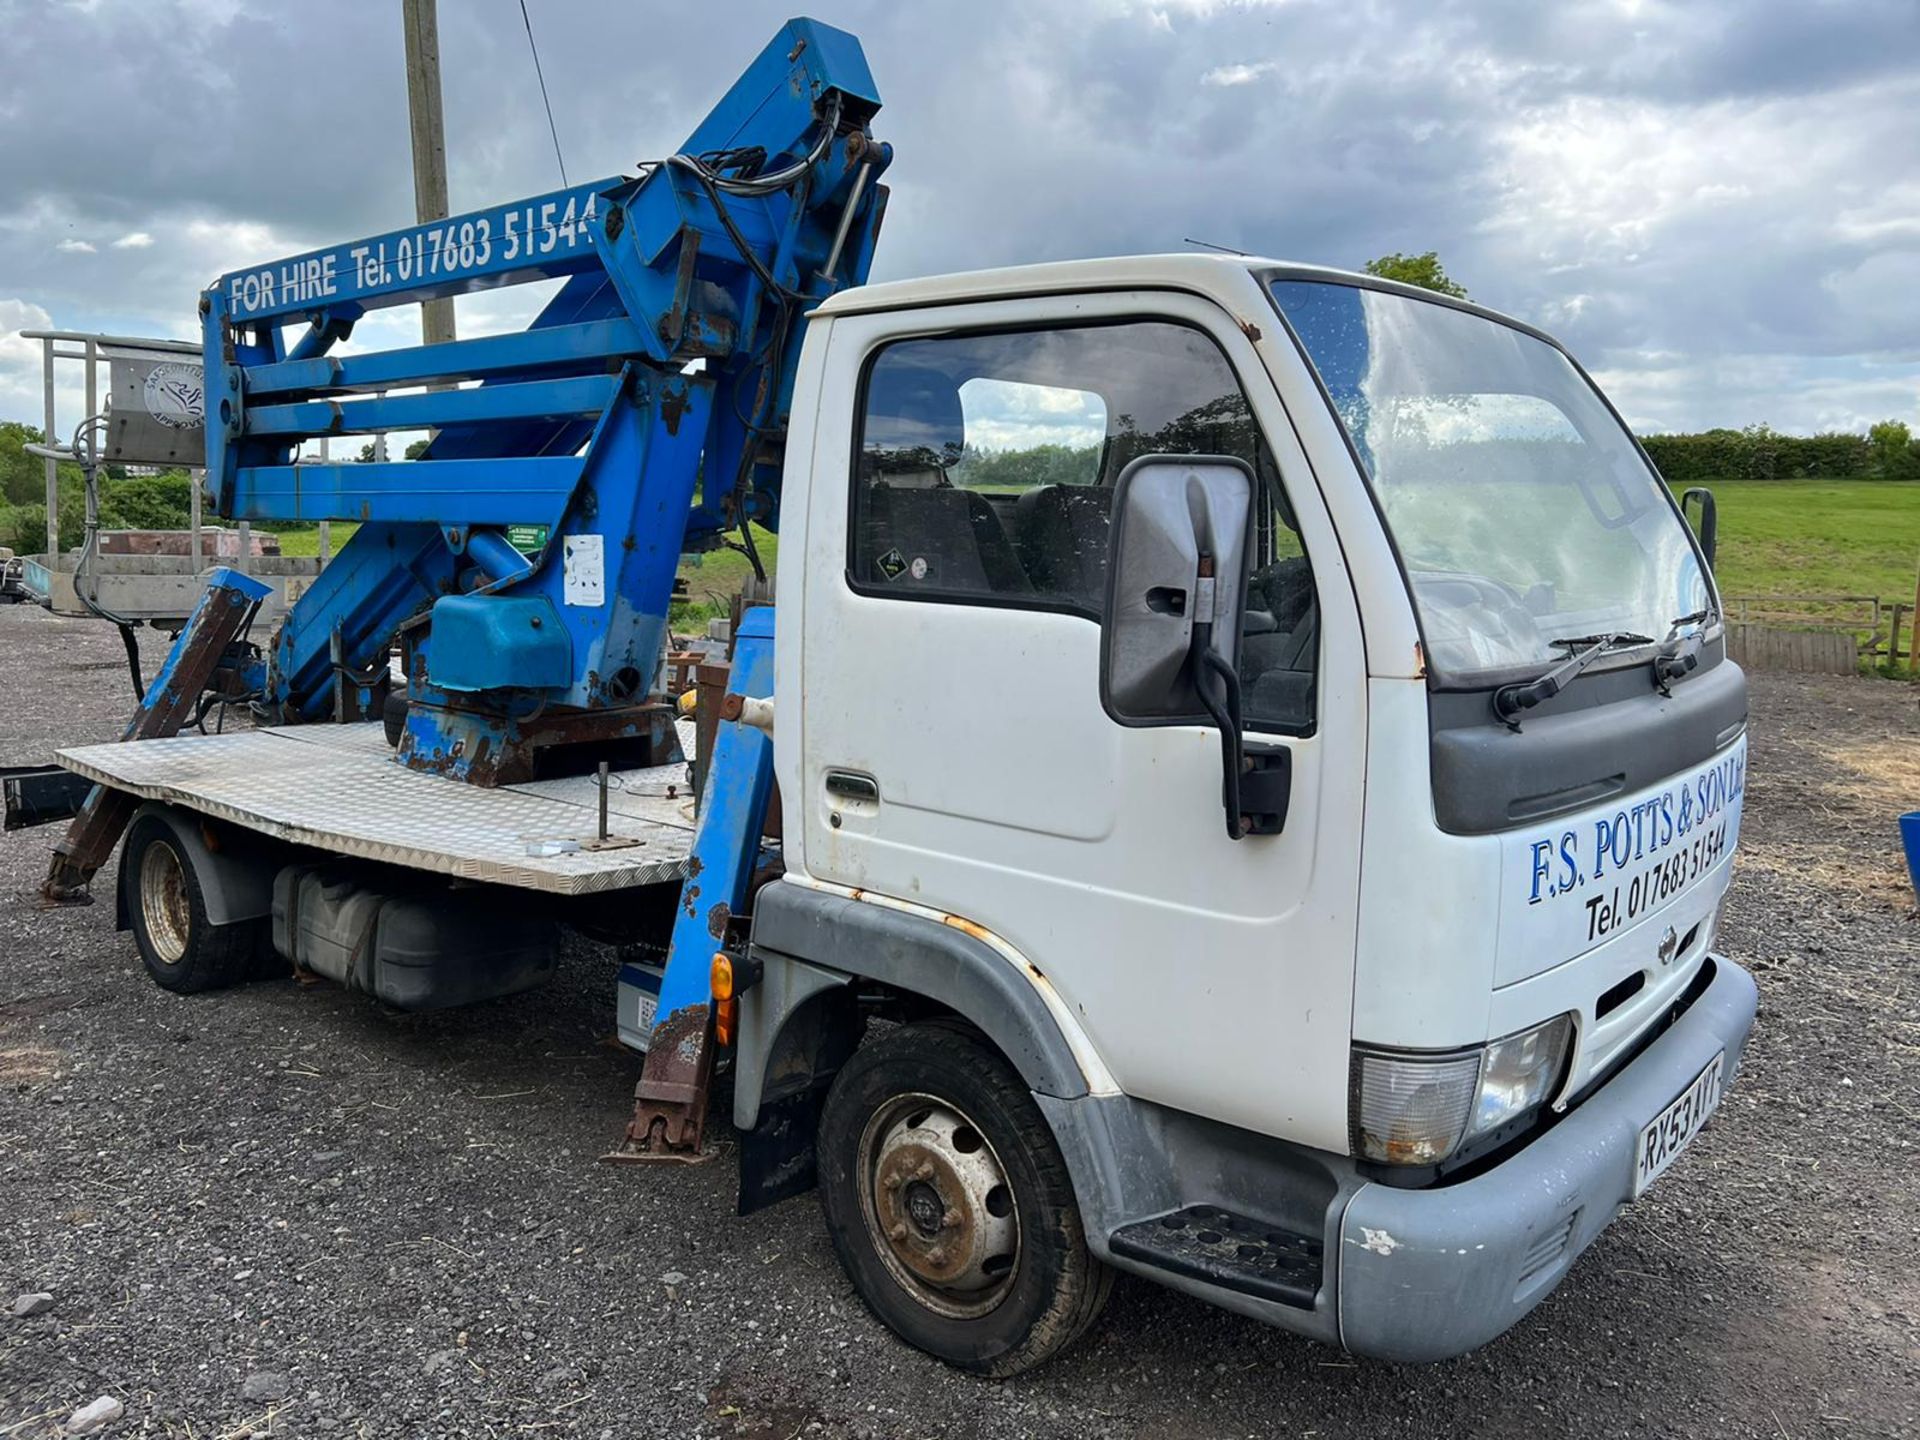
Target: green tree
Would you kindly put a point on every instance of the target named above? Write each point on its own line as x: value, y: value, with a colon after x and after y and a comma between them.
x: 148, y: 502
x: 1893, y: 453
x: 24, y: 528
x: 23, y: 477
x: 978, y: 469
x: 414, y: 451
x: 1424, y: 270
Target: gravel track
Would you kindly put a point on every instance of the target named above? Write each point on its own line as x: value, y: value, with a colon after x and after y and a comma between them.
x: 283, y: 1210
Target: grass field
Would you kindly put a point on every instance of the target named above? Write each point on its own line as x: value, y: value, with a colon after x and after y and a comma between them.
x: 307, y: 542
x: 715, y: 578
x: 1818, y: 537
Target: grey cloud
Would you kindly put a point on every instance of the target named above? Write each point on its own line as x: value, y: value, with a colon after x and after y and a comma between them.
x: 1719, y: 182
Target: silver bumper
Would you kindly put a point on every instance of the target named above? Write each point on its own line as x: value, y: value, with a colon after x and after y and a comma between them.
x: 1429, y: 1274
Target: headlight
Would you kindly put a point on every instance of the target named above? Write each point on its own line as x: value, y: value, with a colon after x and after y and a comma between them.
x: 1418, y: 1109
x: 1518, y: 1072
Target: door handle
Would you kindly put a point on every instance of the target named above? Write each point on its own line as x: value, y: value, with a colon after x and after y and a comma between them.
x: 852, y: 785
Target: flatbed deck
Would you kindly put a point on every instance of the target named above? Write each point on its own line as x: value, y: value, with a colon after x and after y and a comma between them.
x: 338, y: 788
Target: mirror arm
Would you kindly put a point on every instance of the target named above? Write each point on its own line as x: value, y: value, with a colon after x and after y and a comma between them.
x: 1254, y: 792
x: 1201, y: 658
x: 1227, y: 717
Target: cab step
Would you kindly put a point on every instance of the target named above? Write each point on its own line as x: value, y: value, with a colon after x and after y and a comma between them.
x: 1236, y: 1252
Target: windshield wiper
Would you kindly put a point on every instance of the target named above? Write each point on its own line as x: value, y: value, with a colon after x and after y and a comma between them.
x: 1676, y: 660
x: 1509, y: 701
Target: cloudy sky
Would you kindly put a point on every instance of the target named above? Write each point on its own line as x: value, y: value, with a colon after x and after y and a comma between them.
x: 1715, y: 202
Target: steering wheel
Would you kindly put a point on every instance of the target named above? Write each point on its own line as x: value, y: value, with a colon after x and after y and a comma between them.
x: 1500, y: 603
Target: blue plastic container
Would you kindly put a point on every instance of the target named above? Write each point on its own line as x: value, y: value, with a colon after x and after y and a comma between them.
x: 1910, y: 837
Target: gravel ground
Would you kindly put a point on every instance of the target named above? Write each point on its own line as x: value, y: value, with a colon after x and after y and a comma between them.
x: 281, y: 1210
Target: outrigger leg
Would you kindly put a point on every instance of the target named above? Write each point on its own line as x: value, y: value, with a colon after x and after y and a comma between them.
x: 219, y: 618
x: 670, y: 1102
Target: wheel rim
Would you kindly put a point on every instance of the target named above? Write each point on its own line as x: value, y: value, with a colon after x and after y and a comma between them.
x: 163, y: 902
x: 938, y: 1206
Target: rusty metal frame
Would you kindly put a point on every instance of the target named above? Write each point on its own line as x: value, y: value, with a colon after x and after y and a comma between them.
x: 221, y: 616
x: 670, y: 1100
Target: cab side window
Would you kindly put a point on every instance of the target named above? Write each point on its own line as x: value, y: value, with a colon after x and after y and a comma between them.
x: 985, y: 471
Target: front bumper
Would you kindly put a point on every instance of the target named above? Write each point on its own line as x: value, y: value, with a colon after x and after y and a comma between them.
x: 1429, y: 1274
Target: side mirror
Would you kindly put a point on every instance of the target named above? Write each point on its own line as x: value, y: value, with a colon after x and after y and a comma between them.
x: 1170, y: 512
x: 1708, y: 526
x: 1176, y: 596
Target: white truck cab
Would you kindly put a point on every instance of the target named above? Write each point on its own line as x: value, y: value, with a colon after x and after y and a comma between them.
x: 1259, y: 770
x: 1371, y: 1049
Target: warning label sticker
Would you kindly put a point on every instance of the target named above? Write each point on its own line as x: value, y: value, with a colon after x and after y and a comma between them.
x: 584, y: 580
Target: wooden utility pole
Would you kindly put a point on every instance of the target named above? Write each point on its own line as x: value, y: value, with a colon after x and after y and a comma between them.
x: 429, y: 143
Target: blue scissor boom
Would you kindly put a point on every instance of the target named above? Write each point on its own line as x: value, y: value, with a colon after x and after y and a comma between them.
x: 591, y: 427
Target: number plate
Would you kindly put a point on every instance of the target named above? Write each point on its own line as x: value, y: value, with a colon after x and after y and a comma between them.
x: 1673, y: 1129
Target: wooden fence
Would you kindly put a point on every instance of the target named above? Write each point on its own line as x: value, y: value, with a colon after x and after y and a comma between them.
x: 1900, y: 641
x: 1822, y: 634
x: 1808, y: 652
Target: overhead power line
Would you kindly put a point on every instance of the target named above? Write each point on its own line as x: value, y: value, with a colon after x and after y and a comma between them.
x: 540, y: 75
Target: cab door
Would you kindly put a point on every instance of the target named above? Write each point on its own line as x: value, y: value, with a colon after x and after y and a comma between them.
x: 955, y: 751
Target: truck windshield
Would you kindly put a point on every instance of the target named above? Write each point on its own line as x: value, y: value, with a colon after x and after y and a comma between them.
x: 1522, y: 510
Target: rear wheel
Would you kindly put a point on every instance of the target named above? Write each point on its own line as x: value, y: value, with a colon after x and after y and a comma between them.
x: 183, y: 951
x: 950, y: 1206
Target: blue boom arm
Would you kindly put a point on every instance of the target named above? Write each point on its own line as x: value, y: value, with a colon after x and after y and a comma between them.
x: 590, y: 435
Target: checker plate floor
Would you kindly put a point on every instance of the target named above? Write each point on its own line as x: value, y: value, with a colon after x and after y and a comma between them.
x: 338, y: 787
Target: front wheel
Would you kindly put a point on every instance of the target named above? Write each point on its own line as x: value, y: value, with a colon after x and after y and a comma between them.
x: 950, y: 1206
x: 183, y: 950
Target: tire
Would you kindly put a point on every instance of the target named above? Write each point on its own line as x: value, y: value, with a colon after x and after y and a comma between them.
x: 921, y: 1128
x: 183, y: 951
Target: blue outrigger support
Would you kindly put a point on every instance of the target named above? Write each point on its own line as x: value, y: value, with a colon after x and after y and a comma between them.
x: 669, y: 1108
x: 219, y: 618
